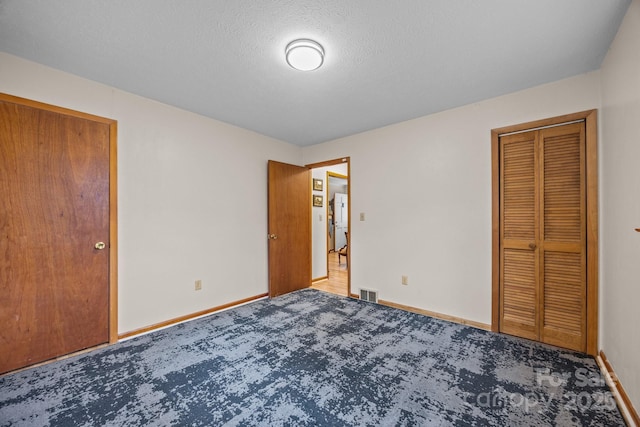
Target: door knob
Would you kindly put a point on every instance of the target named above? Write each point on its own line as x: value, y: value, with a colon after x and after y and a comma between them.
x: 273, y: 236
x: 532, y: 246
x: 100, y: 246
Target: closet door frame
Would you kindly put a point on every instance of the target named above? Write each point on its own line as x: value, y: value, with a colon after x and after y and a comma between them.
x: 590, y: 118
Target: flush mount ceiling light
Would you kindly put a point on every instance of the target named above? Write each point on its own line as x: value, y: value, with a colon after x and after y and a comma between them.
x: 304, y: 54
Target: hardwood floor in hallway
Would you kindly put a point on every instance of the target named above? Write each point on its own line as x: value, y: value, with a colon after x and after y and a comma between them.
x: 338, y: 281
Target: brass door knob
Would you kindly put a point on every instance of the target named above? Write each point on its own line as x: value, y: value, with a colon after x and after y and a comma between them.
x: 273, y: 236
x: 532, y: 246
x: 100, y: 246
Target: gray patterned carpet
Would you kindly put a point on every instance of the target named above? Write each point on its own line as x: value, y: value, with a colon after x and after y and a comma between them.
x: 311, y: 358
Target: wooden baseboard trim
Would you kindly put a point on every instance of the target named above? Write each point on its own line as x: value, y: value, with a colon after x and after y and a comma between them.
x: 319, y: 279
x: 191, y: 316
x: 440, y: 316
x: 624, y: 403
x: 356, y: 296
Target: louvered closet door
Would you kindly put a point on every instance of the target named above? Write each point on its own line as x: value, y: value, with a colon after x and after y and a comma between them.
x: 563, y: 237
x: 543, y: 236
x: 518, y: 223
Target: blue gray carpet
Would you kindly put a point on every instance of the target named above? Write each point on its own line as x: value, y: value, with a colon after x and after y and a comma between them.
x: 311, y: 358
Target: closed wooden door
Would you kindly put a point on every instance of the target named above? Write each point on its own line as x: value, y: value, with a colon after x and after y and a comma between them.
x: 289, y: 228
x: 543, y: 235
x: 54, y: 280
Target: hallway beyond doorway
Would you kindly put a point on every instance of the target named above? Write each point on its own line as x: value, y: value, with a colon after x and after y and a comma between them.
x: 338, y: 281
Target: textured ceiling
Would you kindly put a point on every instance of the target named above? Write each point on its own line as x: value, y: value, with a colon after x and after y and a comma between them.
x: 386, y: 61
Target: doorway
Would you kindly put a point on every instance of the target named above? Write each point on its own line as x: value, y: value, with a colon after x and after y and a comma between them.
x: 337, y: 213
x: 332, y: 226
x: 545, y: 232
x: 297, y: 206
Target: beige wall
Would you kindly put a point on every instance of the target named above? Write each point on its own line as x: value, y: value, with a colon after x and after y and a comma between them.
x: 620, y: 203
x: 425, y: 187
x: 192, y: 196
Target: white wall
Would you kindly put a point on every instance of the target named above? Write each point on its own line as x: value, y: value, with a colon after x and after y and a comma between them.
x: 620, y: 203
x: 192, y: 196
x: 425, y: 187
x: 319, y: 226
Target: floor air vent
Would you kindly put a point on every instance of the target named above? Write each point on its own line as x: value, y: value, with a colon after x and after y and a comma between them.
x: 368, y: 295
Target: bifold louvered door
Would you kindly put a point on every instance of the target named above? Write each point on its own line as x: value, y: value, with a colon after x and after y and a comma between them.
x: 543, y: 235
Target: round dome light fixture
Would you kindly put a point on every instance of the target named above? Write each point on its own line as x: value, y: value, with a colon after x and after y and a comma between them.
x: 304, y: 54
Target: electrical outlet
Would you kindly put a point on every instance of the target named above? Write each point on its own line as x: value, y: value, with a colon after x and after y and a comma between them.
x: 198, y: 285
x: 405, y: 280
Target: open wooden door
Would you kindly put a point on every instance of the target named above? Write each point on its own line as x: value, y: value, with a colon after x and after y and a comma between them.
x: 289, y: 228
x: 55, y: 232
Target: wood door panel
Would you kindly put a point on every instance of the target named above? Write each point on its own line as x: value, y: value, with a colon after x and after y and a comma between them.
x: 564, y: 321
x: 563, y: 184
x: 519, y: 293
x: 54, y: 177
x: 518, y: 188
x: 290, y: 223
x: 563, y: 291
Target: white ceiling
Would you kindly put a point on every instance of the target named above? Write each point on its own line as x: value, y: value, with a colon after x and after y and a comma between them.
x: 386, y: 61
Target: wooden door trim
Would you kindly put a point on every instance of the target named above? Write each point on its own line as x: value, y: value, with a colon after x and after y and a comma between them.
x: 113, y: 197
x: 333, y: 162
x: 113, y: 231
x: 591, y: 133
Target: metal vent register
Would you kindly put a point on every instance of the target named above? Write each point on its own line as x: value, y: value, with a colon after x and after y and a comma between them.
x: 368, y: 295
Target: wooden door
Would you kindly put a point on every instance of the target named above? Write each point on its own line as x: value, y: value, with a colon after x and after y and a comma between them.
x: 543, y: 235
x: 289, y: 228
x: 54, y: 283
